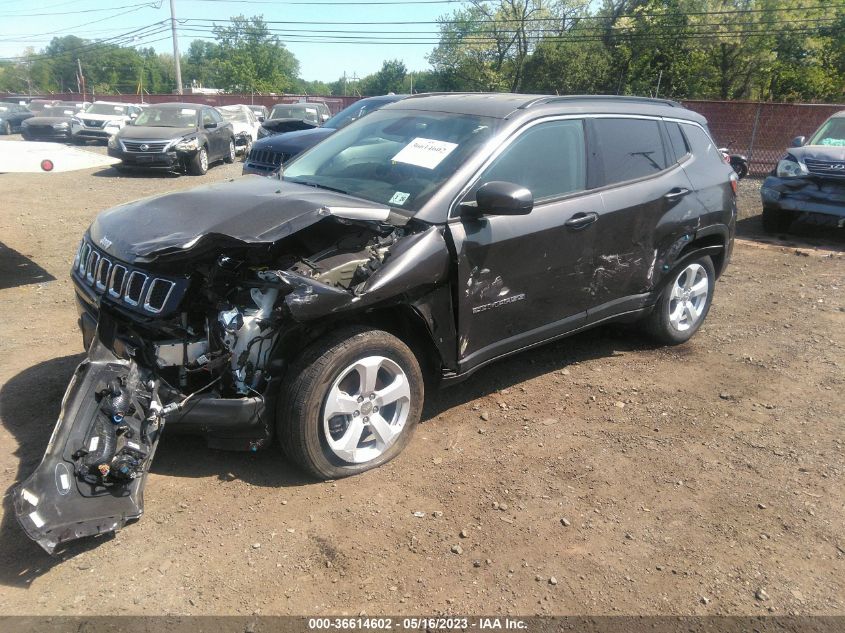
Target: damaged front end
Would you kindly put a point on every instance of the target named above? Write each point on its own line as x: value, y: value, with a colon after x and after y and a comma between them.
x: 199, y: 338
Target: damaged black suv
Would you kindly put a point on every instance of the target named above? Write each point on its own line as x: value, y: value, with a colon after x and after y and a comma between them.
x: 422, y: 242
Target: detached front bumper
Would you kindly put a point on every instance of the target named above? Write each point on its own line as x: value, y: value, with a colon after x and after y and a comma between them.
x: 805, y: 194
x: 54, y: 505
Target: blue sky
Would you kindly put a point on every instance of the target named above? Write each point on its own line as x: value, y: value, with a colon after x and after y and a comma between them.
x: 98, y: 19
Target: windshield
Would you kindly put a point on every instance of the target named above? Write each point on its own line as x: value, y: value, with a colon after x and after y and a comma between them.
x: 306, y: 113
x: 353, y: 113
x: 57, y: 111
x: 398, y: 158
x: 106, y: 108
x: 831, y: 133
x: 234, y: 115
x: 168, y: 117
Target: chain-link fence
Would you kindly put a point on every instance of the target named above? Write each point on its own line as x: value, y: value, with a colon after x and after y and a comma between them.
x: 762, y: 131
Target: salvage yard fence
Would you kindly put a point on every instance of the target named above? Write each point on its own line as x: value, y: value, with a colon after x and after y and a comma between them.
x: 760, y: 130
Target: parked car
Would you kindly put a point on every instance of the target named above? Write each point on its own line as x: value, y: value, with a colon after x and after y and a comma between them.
x: 37, y: 105
x: 52, y: 123
x: 809, y: 179
x: 287, y: 117
x: 260, y: 112
x: 102, y: 119
x: 433, y: 237
x: 244, y: 124
x: 270, y: 153
x: 181, y: 137
x: 11, y: 117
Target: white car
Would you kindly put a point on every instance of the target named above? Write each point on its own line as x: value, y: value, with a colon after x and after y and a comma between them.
x: 245, y: 125
x: 102, y: 119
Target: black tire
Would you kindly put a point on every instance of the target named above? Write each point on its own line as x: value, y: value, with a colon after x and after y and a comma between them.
x: 247, y: 150
x: 741, y: 170
x: 198, y: 165
x: 7, y: 128
x: 229, y: 158
x: 776, y: 220
x: 659, y: 324
x: 299, y: 416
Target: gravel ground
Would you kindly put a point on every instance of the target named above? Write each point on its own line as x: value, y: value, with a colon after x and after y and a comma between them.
x: 700, y: 479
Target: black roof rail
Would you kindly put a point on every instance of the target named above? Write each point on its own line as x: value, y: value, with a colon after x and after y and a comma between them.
x: 611, y: 98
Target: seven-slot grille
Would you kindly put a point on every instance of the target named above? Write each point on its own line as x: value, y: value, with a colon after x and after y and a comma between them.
x: 825, y: 167
x: 266, y: 159
x: 132, y: 287
x: 145, y: 146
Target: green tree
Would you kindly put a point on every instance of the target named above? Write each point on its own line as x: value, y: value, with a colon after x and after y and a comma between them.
x: 389, y: 78
x: 250, y: 59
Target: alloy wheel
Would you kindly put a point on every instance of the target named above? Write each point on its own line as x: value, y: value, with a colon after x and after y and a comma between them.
x: 366, y: 409
x: 688, y: 297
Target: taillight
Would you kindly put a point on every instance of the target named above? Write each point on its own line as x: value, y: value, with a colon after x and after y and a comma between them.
x: 734, y: 183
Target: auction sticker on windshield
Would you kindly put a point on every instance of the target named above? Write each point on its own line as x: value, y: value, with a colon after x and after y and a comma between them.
x: 424, y: 152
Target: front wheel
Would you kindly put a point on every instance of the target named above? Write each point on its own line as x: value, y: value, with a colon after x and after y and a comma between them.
x: 351, y: 403
x: 229, y: 158
x: 684, y: 303
x: 198, y: 165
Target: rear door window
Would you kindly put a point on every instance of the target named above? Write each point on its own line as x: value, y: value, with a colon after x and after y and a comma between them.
x: 628, y: 149
x: 677, y: 142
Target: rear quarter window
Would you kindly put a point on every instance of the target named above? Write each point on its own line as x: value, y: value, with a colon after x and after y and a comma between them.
x: 702, y: 146
x: 628, y: 149
x: 677, y: 142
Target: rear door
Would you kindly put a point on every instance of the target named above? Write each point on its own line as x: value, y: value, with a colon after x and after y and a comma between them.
x: 213, y: 134
x: 521, y: 278
x: 643, y: 188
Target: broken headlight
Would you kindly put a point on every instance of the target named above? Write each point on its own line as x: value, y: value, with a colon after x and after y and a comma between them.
x: 186, y: 145
x: 790, y: 168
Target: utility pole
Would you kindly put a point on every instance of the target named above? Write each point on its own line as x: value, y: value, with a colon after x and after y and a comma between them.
x: 81, y: 78
x: 176, y: 48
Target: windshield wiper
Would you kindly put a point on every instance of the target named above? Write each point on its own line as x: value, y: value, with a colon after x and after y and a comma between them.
x: 309, y: 183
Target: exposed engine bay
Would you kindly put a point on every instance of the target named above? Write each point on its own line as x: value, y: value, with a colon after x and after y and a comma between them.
x: 203, y: 351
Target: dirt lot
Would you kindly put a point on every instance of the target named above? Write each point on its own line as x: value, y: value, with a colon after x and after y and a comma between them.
x: 641, y: 479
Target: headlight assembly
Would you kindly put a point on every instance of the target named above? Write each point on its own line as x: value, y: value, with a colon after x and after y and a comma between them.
x: 790, y: 168
x: 187, y: 145
x: 113, y: 144
x: 60, y: 126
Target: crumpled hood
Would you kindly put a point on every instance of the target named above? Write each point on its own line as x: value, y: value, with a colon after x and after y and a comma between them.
x: 292, y: 143
x: 818, y: 152
x: 278, y: 126
x: 250, y: 210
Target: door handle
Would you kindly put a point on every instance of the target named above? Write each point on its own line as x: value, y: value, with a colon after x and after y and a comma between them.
x: 581, y: 220
x: 676, y: 194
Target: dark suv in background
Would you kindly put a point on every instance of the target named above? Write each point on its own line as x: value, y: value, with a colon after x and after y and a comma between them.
x: 809, y: 179
x: 426, y: 240
x: 181, y: 137
x: 270, y: 153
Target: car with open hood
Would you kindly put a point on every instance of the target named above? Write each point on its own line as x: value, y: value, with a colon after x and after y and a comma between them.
x: 260, y: 112
x: 52, y: 123
x: 406, y: 251
x: 12, y: 115
x: 102, y: 119
x: 269, y: 154
x: 808, y: 180
x: 288, y: 117
x: 176, y: 137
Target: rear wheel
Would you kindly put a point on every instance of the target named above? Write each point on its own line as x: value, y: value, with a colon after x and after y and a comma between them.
x: 776, y: 220
x: 351, y: 403
x: 230, y: 155
x: 684, y: 303
x: 7, y: 128
x: 198, y: 165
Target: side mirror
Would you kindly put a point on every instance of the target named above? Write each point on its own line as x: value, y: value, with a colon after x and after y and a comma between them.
x: 798, y: 141
x: 210, y: 126
x: 500, y: 198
